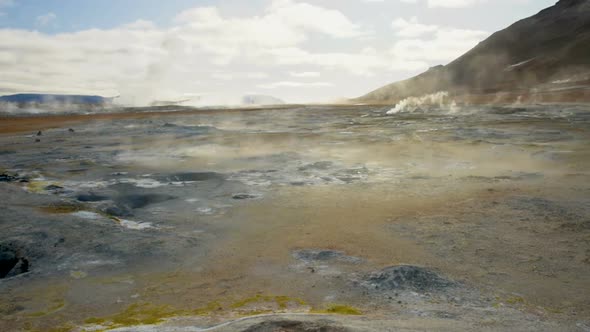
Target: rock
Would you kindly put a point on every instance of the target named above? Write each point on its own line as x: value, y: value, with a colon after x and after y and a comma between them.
x: 324, y: 255
x: 5, y: 177
x: 90, y: 197
x: 37, y: 140
x: 118, y: 211
x: 296, y: 326
x: 190, y: 177
x: 245, y: 196
x: 54, y: 188
x: 22, y: 266
x: 11, y: 262
x: 71, y: 130
x: 39, y: 133
x: 407, y: 277
x: 8, y: 260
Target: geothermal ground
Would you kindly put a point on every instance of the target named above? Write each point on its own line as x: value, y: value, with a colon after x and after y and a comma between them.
x: 309, y: 218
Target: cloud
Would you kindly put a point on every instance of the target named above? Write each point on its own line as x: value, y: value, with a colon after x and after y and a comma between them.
x: 453, y: 3
x: 436, y: 43
x: 305, y: 74
x: 291, y: 84
x: 284, y: 24
x: 143, y: 62
x: 206, y: 52
x: 45, y: 19
x: 364, y: 63
x: 412, y: 28
x: 256, y: 75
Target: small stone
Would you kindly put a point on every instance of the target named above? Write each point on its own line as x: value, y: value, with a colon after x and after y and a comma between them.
x: 244, y: 196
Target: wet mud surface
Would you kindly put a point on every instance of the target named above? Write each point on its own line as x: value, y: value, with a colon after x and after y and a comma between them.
x: 310, y: 218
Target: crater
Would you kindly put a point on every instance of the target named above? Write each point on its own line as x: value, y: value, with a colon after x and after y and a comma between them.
x: 91, y: 197
x: 407, y: 277
x: 138, y: 201
x: 12, y: 262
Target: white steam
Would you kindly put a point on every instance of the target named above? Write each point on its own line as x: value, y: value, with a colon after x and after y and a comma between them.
x: 439, y: 99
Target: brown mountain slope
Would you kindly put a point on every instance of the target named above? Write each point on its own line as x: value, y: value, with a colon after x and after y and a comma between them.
x: 545, y: 57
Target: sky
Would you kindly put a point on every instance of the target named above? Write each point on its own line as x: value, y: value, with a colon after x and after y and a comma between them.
x: 216, y: 51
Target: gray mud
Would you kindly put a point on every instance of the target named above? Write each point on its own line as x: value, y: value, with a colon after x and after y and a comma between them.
x: 309, y: 218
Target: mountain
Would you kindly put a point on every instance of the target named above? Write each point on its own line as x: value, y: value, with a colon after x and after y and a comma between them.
x: 34, y: 98
x: 545, y: 57
x: 261, y: 100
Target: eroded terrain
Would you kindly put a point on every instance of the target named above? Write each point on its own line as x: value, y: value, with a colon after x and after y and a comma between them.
x: 302, y: 218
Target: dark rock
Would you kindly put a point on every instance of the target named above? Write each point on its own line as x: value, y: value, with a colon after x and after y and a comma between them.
x: 71, y: 130
x: 191, y: 176
x: 245, y: 196
x: 77, y: 170
x: 407, y: 277
x: 53, y: 187
x: 118, y: 211
x: 296, y: 326
x: 5, y: 177
x: 22, y: 266
x: 8, y: 260
x: 39, y: 133
x: 90, y: 197
x: 324, y: 255
x: 37, y: 140
x: 12, y: 263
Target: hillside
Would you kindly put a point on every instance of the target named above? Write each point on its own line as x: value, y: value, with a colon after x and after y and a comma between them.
x: 545, y: 57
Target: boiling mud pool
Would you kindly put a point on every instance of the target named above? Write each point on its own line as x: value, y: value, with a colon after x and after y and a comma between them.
x: 477, y: 219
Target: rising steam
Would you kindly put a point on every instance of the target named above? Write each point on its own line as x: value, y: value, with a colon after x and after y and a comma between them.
x: 439, y: 99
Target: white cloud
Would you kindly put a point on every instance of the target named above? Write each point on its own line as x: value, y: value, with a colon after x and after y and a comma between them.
x: 290, y: 84
x: 412, y: 28
x: 453, y: 3
x: 364, y: 63
x: 45, y: 19
x: 143, y: 62
x: 222, y: 76
x: 305, y: 74
x: 206, y: 52
x: 256, y: 75
x: 438, y: 43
